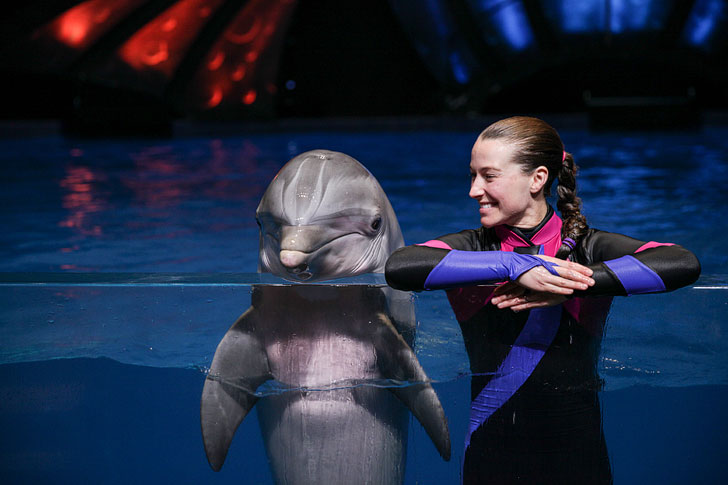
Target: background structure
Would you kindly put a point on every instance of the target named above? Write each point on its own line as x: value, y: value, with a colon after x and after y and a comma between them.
x: 141, y: 64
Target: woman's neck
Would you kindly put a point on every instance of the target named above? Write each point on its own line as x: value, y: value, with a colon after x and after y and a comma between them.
x: 534, y: 216
x: 531, y: 230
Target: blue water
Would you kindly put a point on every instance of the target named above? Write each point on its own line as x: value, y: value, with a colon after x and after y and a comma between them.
x: 123, y: 404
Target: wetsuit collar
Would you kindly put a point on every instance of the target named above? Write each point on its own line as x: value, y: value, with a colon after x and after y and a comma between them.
x: 547, y: 232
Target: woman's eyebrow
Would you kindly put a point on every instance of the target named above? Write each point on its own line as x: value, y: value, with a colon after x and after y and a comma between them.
x: 487, y: 167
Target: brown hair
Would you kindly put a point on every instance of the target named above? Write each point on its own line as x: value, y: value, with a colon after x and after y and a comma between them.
x: 538, y: 144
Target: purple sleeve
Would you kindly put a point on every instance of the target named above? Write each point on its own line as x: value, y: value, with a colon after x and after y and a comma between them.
x: 626, y: 266
x: 467, y: 268
x: 635, y: 276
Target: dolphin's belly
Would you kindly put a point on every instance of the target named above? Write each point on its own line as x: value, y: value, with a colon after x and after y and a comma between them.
x: 322, y: 361
x: 353, y: 436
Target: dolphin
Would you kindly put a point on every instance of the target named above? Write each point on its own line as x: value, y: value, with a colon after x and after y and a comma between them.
x: 339, y: 354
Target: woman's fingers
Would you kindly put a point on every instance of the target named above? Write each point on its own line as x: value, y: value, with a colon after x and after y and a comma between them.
x: 564, y: 286
x: 573, y: 275
x: 540, y: 279
x: 538, y: 287
x: 530, y: 300
x: 562, y: 263
x: 507, y: 292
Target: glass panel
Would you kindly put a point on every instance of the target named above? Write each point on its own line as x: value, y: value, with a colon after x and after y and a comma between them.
x: 176, y: 320
x: 153, y: 336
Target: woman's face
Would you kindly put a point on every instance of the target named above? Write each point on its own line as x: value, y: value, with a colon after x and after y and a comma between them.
x: 505, y: 193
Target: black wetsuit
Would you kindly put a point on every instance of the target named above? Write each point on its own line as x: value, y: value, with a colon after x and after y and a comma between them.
x: 535, y: 414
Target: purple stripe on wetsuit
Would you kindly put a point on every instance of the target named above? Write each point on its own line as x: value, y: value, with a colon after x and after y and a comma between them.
x: 466, y: 268
x: 528, y: 349
x: 635, y: 276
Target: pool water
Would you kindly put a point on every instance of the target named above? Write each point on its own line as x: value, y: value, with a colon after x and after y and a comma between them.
x: 102, y: 381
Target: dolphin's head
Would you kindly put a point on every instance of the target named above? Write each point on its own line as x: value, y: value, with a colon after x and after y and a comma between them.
x: 325, y: 216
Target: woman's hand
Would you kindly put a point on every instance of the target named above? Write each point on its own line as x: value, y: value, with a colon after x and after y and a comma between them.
x: 517, y: 298
x: 572, y: 276
x: 537, y: 287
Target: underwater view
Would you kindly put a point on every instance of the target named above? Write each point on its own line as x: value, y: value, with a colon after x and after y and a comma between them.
x: 125, y: 262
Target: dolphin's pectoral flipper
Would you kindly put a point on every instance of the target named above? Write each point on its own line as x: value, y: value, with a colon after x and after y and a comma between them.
x: 397, y: 361
x: 240, y: 365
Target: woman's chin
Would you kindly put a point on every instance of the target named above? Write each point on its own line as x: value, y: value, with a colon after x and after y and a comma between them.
x: 488, y: 222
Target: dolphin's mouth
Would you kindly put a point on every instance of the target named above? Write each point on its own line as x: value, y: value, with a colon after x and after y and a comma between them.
x: 295, y: 263
x: 300, y: 272
x: 302, y: 275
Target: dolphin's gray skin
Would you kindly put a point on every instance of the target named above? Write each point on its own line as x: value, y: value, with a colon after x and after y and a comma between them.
x: 323, y: 216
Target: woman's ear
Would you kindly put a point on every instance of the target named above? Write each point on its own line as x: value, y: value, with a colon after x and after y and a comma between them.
x: 538, y: 179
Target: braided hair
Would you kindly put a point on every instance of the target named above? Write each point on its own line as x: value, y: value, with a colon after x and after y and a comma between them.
x: 538, y: 144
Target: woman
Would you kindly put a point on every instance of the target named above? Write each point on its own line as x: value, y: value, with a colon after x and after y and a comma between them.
x: 533, y: 338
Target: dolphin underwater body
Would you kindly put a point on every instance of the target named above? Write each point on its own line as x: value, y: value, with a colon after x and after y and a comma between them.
x: 349, y: 374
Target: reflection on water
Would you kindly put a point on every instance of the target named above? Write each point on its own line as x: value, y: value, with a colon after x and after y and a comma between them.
x: 82, y: 200
x: 188, y: 204
x: 163, y: 177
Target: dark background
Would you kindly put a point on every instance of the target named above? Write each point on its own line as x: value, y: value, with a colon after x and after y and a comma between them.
x: 360, y: 58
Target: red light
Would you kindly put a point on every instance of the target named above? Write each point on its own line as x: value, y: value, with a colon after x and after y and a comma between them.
x: 169, y: 25
x: 251, y: 44
x: 73, y: 28
x: 156, y: 54
x: 238, y: 73
x: 249, y: 97
x: 81, y: 25
x: 215, y: 98
x: 102, y: 15
x: 216, y: 61
x: 245, y: 37
x: 162, y: 43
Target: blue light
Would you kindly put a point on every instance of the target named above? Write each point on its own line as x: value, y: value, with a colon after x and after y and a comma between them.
x: 615, y: 16
x: 636, y: 15
x: 514, y: 25
x: 459, y: 68
x: 704, y: 20
x: 579, y: 16
x: 437, y: 39
x: 509, y: 21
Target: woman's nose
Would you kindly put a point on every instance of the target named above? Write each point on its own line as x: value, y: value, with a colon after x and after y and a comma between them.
x: 476, y: 190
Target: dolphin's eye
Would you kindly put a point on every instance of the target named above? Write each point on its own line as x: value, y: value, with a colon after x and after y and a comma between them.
x: 376, y: 223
